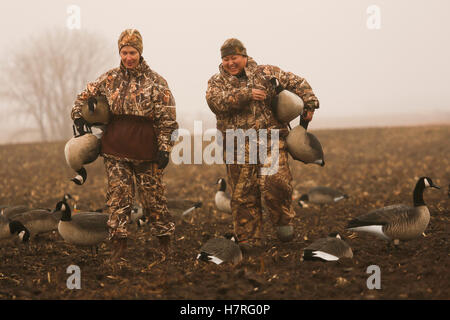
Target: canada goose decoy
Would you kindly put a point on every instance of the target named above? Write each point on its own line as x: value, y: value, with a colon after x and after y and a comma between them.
x: 84, y: 228
x: 96, y: 111
x: 9, y: 228
x: 9, y: 212
x: 220, y: 250
x: 304, y: 146
x: 321, y: 195
x: 179, y: 208
x: 287, y: 105
x: 39, y: 221
x: 81, y: 150
x: 331, y: 248
x: 397, y: 222
x: 222, y: 198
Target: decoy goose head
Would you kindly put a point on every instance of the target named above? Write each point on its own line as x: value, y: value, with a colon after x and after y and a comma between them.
x: 65, y: 210
x: 66, y: 197
x: 335, y: 235
x: 20, y: 229
x: 222, y: 183
x: 428, y: 183
x: 81, y: 177
x: 231, y: 236
x: 421, y: 185
x: 302, y: 201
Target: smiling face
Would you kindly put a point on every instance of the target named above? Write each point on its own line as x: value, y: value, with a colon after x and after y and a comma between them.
x: 234, y: 64
x: 130, y: 57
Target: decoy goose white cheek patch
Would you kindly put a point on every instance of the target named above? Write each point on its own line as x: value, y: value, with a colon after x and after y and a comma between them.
x: 427, y: 184
x: 21, y: 235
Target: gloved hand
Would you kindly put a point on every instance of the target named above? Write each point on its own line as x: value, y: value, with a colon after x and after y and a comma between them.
x: 81, y: 126
x: 163, y: 159
x: 92, y: 102
x: 306, y: 117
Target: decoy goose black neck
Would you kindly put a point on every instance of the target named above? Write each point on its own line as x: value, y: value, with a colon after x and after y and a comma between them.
x: 422, y: 183
x: 66, y: 197
x: 66, y: 214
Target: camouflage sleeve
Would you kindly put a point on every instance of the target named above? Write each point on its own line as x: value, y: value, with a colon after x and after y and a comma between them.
x: 222, y: 98
x: 165, y: 117
x: 92, y: 89
x: 297, y: 85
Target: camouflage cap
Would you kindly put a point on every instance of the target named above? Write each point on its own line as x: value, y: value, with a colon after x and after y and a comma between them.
x: 131, y: 37
x: 233, y: 46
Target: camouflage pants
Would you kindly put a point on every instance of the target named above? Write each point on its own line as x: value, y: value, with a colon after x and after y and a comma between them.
x: 123, y: 177
x: 248, y: 185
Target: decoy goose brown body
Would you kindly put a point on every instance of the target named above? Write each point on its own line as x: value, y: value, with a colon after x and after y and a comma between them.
x: 321, y: 195
x: 10, y: 228
x: 331, y: 248
x: 84, y: 228
x: 397, y: 222
x: 81, y: 150
x: 220, y: 250
x: 9, y: 212
x: 39, y: 220
x: 222, y: 199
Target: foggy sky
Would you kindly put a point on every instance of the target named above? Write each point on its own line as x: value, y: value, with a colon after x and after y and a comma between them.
x: 402, y: 68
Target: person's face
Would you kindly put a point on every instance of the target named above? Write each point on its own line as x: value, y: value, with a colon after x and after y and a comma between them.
x: 234, y: 64
x: 129, y: 57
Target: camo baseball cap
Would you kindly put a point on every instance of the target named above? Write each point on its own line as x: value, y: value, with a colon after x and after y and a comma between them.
x: 131, y: 37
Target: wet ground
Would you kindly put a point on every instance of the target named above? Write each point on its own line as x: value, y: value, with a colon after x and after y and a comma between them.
x: 375, y: 167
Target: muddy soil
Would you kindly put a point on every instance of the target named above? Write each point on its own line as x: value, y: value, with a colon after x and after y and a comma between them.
x: 375, y: 167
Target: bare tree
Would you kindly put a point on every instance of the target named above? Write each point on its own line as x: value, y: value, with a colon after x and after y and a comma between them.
x: 42, y: 78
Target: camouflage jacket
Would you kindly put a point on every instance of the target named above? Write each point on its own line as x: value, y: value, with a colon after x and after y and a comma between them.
x: 230, y: 97
x: 139, y: 92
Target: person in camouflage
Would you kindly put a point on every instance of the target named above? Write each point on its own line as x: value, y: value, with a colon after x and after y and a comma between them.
x: 240, y: 96
x: 137, y: 141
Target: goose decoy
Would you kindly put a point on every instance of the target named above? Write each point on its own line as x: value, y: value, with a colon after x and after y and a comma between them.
x: 84, y: 228
x: 11, y: 211
x: 220, y: 250
x: 286, y: 105
x: 304, y: 146
x: 96, y: 111
x: 9, y: 228
x: 39, y: 221
x: 397, y: 222
x: 179, y: 208
x: 222, y: 199
x: 81, y: 150
x: 331, y: 248
x: 321, y: 195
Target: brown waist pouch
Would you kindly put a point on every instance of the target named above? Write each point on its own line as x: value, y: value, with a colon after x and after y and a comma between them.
x: 130, y: 136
